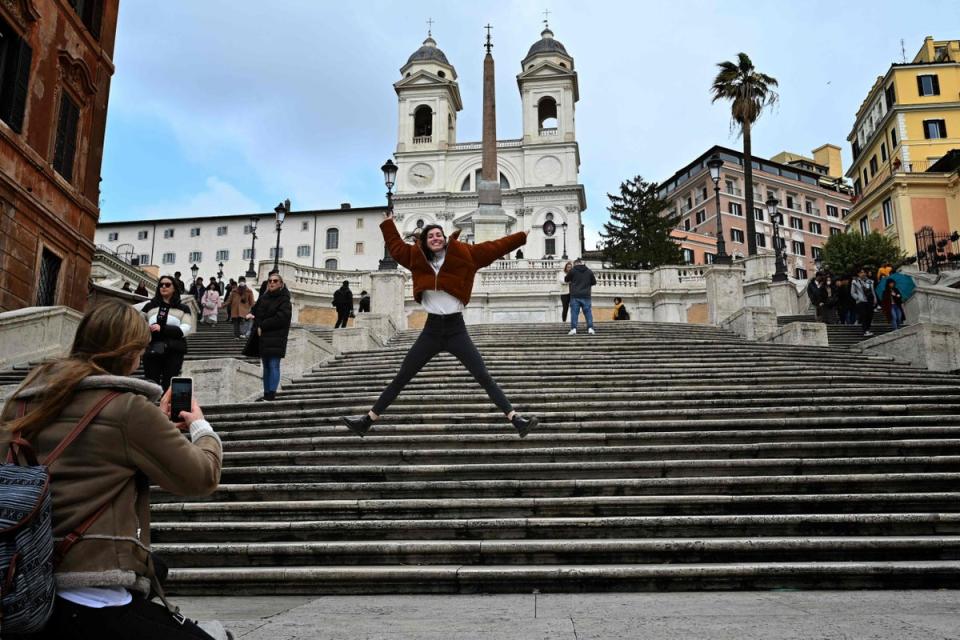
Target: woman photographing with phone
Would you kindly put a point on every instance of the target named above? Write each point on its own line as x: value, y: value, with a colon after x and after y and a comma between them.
x: 170, y: 322
x: 443, y: 272
x: 100, y: 483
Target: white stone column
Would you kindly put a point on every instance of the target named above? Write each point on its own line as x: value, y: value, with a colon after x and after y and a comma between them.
x: 386, y: 296
x: 724, y: 291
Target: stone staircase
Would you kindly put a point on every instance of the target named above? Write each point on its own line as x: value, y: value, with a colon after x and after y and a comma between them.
x: 843, y: 335
x: 669, y: 457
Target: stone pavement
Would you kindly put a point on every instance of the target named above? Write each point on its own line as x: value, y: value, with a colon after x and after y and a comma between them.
x: 785, y: 615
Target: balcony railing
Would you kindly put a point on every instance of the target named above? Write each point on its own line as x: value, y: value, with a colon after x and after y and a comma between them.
x: 548, y: 131
x: 734, y: 191
x: 699, y: 199
x: 685, y: 208
x: 422, y: 139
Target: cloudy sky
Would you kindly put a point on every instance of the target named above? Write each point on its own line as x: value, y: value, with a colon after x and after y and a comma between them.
x: 229, y: 106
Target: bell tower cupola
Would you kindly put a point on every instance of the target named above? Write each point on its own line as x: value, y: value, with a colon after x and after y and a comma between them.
x: 429, y: 99
x: 548, y: 92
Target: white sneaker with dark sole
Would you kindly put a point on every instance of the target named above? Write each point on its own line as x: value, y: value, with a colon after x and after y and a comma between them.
x: 591, y: 331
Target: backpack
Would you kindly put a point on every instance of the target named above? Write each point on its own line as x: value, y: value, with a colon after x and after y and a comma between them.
x: 28, y: 554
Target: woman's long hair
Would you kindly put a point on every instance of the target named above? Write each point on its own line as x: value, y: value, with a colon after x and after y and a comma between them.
x: 108, y: 339
x: 158, y: 297
x: 423, y: 239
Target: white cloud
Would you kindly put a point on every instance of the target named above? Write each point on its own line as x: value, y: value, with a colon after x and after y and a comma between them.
x: 218, y: 198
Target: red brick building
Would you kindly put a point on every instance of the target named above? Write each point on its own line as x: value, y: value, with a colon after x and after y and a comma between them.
x: 55, y: 70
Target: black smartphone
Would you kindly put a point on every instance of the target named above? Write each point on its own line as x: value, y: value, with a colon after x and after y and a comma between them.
x: 181, y: 397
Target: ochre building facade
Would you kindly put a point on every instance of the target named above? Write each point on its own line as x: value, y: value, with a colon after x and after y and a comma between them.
x: 55, y: 71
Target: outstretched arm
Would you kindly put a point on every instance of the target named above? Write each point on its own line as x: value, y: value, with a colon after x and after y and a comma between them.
x: 400, y: 250
x: 486, y: 252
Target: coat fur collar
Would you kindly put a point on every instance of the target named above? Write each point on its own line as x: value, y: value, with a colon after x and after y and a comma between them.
x: 118, y: 383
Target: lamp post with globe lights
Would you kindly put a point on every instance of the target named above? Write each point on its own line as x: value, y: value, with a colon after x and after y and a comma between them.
x: 389, y: 179
x: 251, y: 273
x: 281, y: 211
x: 780, y: 271
x: 714, y: 164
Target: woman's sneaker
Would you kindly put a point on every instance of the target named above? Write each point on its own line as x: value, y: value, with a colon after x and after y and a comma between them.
x: 524, y: 425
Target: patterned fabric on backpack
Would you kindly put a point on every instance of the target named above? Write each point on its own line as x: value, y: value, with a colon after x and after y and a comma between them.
x: 27, y: 586
x: 28, y: 554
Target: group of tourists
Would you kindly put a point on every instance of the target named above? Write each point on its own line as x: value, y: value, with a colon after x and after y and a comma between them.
x: 853, y: 299
x: 343, y: 303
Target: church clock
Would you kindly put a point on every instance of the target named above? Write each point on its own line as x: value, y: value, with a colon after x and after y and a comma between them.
x: 421, y: 174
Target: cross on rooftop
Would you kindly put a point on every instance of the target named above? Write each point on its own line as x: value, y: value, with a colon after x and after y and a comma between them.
x: 546, y: 17
x: 429, y: 26
x: 489, y: 44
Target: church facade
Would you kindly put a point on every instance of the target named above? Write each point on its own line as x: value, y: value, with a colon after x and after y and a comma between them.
x: 438, y: 177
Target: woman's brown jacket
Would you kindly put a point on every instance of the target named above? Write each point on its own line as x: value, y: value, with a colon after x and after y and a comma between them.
x: 130, y: 445
x: 460, y: 265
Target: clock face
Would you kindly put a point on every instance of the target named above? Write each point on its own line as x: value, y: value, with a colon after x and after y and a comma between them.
x: 421, y: 174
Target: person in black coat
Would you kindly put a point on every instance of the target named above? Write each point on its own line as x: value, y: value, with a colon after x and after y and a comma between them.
x: 364, y: 305
x: 343, y: 301
x: 170, y: 322
x: 271, y: 315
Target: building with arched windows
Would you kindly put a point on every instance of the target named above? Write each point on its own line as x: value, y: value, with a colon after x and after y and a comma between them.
x: 438, y: 176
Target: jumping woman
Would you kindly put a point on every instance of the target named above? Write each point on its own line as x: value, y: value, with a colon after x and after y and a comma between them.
x: 443, y: 271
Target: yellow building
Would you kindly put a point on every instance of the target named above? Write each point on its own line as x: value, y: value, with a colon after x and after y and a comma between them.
x: 904, y: 175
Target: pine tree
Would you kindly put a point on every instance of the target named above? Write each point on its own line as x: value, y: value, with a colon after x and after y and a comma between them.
x: 638, y: 234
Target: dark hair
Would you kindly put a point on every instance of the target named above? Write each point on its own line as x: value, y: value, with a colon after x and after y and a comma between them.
x: 891, y: 283
x: 615, y: 300
x: 363, y: 293
x: 346, y: 283
x: 423, y: 239
x: 242, y: 279
x: 213, y: 285
x: 174, y: 299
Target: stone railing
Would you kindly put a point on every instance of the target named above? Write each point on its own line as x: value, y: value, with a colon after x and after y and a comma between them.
x: 300, y: 277
x: 36, y: 333
x: 475, y: 146
x: 107, y: 266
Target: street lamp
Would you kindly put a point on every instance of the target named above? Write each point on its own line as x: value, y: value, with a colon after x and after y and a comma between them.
x: 780, y: 272
x: 564, y: 225
x: 220, y: 278
x: 715, y: 163
x: 251, y: 273
x: 281, y: 210
x: 389, y: 179
x: 194, y: 270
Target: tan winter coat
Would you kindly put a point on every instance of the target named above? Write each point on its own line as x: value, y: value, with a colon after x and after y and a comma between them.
x: 130, y: 445
x: 239, y: 303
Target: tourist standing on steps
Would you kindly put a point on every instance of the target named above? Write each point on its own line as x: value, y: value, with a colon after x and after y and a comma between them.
x: 892, y: 303
x: 817, y: 295
x: 104, y: 579
x: 861, y: 290
x: 197, y: 289
x: 343, y: 301
x: 210, y: 303
x: 443, y: 272
x: 581, y: 281
x: 226, y: 296
x: 179, y: 283
x: 238, y: 304
x: 364, y: 305
x: 170, y: 323
x: 271, y: 325
x: 565, y: 288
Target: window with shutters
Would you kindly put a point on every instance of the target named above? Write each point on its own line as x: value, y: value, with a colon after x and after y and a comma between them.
x: 761, y: 240
x: 248, y: 254
x: 330, y: 263
x: 798, y: 248
x: 276, y: 255
x: 832, y: 211
x: 142, y: 235
x: 815, y: 228
x: 333, y: 239
x: 195, y: 232
x: 303, y: 251
x: 758, y: 214
x: 887, y: 212
x: 883, y: 152
x: 796, y: 223
x: 891, y: 96
x: 928, y: 85
x: 15, y: 58
x: 893, y: 138
x: 65, y: 148
x: 933, y: 129
x: 49, y: 274
x: 735, y: 208
x: 688, y: 256
x: 222, y: 230
x: 686, y: 224
x: 91, y: 14
x: 304, y: 226
x: 144, y: 258
x: 800, y: 274
x: 169, y: 258
x: 358, y: 248
x: 736, y: 235
x: 168, y: 233
x: 113, y: 236
x: 195, y: 256
x: 549, y: 247
x: 835, y: 231
x: 701, y: 216
x: 873, y: 165
x: 223, y: 255
x: 816, y: 253
x: 864, y: 226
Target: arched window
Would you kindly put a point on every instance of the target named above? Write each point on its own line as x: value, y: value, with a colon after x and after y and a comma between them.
x: 333, y: 238
x: 547, y: 113
x: 504, y: 183
x: 422, y: 122
x: 331, y: 263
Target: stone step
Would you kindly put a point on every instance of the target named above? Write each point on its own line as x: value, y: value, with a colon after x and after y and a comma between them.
x: 639, y: 551
x: 608, y: 453
x: 814, y: 484
x: 562, y: 507
x: 457, y: 578
x: 576, y: 528
x: 393, y: 426
x: 591, y: 469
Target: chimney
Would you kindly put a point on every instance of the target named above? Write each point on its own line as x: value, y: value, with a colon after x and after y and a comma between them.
x: 344, y: 205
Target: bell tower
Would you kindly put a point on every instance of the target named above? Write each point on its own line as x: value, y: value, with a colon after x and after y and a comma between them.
x: 548, y: 92
x: 429, y: 99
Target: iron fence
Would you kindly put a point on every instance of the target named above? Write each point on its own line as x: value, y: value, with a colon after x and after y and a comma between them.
x: 937, y: 251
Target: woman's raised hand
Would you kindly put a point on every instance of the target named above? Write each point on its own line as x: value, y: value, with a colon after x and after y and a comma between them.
x: 388, y: 214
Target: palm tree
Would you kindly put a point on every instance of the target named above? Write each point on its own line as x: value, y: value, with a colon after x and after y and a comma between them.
x: 748, y: 92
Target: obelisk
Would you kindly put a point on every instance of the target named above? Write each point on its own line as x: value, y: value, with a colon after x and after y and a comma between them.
x: 489, y: 221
